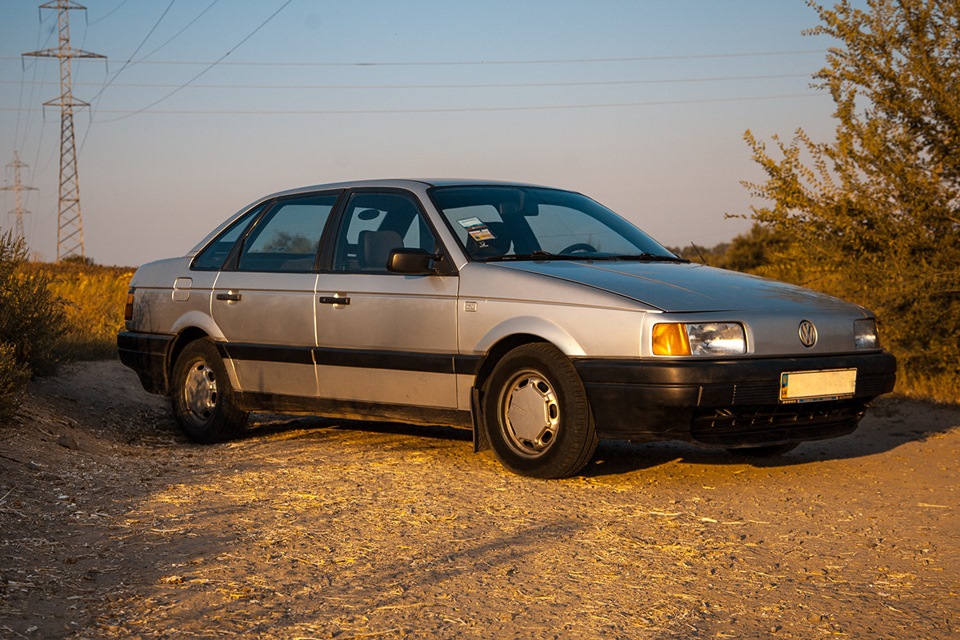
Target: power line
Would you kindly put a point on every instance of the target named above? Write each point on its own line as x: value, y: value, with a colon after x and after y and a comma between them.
x: 451, y: 63
x: 96, y: 97
x: 109, y: 13
x: 550, y: 107
x: 493, y: 85
x: 177, y: 34
x: 139, y: 46
x: 210, y: 66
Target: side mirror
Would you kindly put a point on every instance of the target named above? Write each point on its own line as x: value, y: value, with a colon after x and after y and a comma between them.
x: 412, y: 262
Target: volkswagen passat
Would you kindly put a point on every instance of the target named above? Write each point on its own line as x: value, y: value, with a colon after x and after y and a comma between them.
x: 535, y: 317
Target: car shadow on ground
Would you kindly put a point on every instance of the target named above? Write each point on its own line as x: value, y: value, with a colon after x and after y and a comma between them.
x: 890, y: 424
x: 262, y: 425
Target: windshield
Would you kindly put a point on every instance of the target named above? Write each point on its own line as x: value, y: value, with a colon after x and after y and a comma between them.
x: 500, y: 223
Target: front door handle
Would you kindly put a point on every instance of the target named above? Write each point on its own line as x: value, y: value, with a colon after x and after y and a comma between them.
x: 229, y: 296
x: 332, y: 300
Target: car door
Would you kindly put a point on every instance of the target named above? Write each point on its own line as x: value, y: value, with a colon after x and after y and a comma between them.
x: 385, y: 338
x: 264, y: 303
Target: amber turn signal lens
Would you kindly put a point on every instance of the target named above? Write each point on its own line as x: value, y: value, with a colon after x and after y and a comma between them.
x: 670, y: 340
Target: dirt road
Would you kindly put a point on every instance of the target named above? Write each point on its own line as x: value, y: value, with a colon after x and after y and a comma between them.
x: 113, y: 525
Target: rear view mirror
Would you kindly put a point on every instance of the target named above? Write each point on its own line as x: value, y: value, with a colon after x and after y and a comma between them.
x: 414, y: 262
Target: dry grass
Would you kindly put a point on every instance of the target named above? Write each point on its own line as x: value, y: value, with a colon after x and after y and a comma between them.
x: 944, y: 389
x: 94, y: 297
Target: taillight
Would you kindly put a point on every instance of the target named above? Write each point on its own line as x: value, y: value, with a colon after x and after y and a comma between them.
x: 128, y: 308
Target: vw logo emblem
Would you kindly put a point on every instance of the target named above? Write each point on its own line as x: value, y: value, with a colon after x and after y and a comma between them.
x: 808, y: 333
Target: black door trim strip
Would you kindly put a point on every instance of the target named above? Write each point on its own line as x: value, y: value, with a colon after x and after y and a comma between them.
x: 359, y: 358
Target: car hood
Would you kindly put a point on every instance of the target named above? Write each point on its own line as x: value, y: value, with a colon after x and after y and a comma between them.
x: 680, y: 287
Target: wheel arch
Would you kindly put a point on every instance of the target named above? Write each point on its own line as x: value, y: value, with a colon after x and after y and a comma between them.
x: 184, y: 337
x: 496, y: 352
x: 192, y: 326
x: 516, y: 332
x: 488, y: 363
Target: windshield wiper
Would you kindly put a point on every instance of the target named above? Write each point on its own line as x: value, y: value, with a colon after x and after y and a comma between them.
x: 645, y: 257
x: 539, y: 255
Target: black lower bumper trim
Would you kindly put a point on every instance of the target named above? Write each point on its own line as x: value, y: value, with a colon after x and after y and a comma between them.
x: 725, y: 402
x: 146, y: 353
x: 766, y: 425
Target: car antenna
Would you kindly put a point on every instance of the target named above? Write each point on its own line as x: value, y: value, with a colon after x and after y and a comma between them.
x: 697, y: 249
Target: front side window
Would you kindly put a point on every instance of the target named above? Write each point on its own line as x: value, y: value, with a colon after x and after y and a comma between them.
x: 528, y: 223
x: 374, y: 224
x: 288, y: 236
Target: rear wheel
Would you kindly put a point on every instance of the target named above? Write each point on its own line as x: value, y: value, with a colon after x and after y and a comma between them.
x: 202, y: 397
x: 536, y: 413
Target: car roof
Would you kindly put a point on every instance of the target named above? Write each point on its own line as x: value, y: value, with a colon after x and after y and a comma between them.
x: 400, y: 183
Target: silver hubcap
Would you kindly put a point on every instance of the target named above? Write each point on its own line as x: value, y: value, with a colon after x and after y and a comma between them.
x: 529, y: 413
x: 200, y: 391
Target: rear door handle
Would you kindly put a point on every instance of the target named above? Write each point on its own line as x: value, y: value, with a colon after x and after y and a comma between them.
x: 332, y: 300
x: 229, y: 296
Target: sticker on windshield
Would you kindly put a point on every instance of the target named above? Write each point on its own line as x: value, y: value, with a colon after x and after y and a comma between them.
x: 477, y: 229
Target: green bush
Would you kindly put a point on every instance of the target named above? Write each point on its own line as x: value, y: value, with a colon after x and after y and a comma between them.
x: 32, y: 320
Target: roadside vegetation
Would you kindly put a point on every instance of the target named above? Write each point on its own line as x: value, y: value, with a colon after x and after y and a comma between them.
x: 93, y: 297
x: 53, y: 313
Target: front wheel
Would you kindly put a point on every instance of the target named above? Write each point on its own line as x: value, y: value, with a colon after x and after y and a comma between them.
x: 202, y: 397
x: 537, y: 415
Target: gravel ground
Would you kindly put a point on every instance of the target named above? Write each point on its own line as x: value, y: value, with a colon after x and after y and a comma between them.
x: 112, y: 525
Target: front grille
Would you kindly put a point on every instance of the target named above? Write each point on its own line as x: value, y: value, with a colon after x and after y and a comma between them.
x: 748, y: 393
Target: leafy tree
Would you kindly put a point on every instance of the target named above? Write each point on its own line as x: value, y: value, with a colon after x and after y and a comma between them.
x: 754, y: 251
x: 874, y: 215
x: 713, y: 256
x: 751, y: 252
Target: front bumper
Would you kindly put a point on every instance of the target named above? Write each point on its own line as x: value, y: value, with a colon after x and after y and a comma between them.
x: 725, y: 403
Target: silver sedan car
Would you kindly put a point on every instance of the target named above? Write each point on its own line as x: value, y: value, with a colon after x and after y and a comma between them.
x: 535, y: 317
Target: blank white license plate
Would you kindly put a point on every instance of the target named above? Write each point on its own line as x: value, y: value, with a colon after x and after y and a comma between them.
x: 808, y: 386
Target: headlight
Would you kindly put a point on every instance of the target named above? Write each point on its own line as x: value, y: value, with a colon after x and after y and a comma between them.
x: 865, y: 334
x: 699, y: 339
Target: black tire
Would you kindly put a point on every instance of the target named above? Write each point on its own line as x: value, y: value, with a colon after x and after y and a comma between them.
x: 767, y: 451
x: 556, y: 443
x: 202, y: 398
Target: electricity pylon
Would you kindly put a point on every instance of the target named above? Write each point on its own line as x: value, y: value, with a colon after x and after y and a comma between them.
x: 17, y: 187
x: 69, y: 220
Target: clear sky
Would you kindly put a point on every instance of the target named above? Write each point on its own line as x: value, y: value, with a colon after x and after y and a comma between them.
x: 205, y: 105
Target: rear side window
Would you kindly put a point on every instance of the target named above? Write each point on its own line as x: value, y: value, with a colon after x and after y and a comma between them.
x: 288, y: 236
x: 215, y: 253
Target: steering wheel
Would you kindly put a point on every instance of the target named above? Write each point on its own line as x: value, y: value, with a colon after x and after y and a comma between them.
x: 579, y: 247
